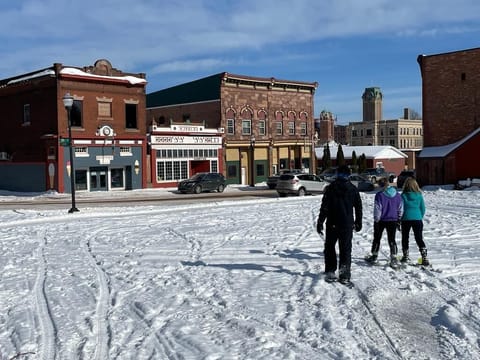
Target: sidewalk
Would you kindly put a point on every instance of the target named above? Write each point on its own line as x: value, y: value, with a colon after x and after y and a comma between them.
x: 9, y: 196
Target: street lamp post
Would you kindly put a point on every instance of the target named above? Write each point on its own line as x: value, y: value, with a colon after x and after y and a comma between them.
x: 252, y: 160
x: 68, y: 103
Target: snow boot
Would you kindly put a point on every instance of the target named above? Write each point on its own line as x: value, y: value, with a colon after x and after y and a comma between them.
x: 405, y: 258
x: 344, y: 274
x: 394, y: 261
x: 330, y: 276
x: 372, y: 258
x: 425, y: 261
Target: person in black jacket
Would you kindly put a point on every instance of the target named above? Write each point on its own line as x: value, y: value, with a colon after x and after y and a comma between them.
x: 340, y: 199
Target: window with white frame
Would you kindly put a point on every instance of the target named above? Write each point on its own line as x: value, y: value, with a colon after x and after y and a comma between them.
x: 246, y: 127
x: 291, y: 128
x: 125, y: 150
x: 303, y: 128
x: 230, y: 126
x: 279, y: 128
x: 261, y: 127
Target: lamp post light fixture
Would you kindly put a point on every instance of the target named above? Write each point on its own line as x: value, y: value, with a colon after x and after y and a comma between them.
x: 68, y: 103
x: 252, y: 160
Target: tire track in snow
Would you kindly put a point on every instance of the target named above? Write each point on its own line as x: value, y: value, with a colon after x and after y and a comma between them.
x: 101, y: 326
x: 48, y: 332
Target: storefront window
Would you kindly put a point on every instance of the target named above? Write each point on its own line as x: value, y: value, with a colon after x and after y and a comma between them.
x: 116, y: 178
x: 81, y: 180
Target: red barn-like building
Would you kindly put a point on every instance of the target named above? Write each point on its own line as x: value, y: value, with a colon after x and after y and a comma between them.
x: 451, y: 117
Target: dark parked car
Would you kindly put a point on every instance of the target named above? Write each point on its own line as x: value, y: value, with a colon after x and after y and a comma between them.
x: 202, y: 182
x: 329, y: 174
x: 373, y: 174
x: 272, y: 180
x: 362, y: 183
x: 403, y: 176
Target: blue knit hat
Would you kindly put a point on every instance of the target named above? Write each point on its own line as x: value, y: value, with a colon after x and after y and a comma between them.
x: 343, y: 171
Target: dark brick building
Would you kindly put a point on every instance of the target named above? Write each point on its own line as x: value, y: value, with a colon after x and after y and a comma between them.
x: 264, y: 124
x: 108, y: 129
x: 451, y: 117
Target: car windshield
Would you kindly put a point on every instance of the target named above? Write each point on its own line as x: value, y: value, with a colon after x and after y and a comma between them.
x: 286, y: 177
x: 199, y: 176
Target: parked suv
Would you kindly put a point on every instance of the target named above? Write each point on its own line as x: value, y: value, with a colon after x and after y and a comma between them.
x: 202, y: 182
x: 403, y: 176
x: 300, y: 184
x: 374, y: 174
x: 272, y: 180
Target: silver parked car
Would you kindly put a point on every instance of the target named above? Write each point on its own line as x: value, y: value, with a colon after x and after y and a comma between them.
x: 300, y: 184
x: 272, y: 180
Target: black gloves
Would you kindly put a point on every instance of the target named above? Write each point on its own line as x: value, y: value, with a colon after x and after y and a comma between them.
x: 358, y: 227
x: 320, y: 227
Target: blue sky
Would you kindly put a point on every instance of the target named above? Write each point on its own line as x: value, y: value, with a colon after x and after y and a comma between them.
x: 344, y: 45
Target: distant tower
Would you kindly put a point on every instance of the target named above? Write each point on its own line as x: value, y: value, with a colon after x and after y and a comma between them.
x: 372, y: 104
x: 327, y: 125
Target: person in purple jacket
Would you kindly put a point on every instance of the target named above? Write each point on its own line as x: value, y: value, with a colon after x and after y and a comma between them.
x: 387, y: 213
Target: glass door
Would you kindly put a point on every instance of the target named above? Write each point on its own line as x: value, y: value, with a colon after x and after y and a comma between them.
x: 98, y: 178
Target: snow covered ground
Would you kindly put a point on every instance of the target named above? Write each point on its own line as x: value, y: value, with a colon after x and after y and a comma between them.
x: 232, y: 280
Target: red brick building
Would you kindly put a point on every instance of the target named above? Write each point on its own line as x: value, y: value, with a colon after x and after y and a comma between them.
x: 451, y: 117
x: 107, y: 125
x: 265, y: 125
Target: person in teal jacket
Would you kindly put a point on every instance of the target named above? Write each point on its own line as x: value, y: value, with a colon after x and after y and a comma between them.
x: 413, y: 212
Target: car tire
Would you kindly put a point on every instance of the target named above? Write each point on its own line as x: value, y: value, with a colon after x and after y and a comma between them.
x: 301, y: 192
x: 220, y: 188
x: 197, y: 189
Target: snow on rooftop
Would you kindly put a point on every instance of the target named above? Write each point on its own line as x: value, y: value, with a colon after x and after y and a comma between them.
x: 442, y: 151
x: 377, y: 151
x: 46, y: 72
x: 131, y: 79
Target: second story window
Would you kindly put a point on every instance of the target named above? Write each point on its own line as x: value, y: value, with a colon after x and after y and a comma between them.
x: 26, y: 114
x: 303, y: 128
x: 76, y: 114
x: 105, y: 109
x: 261, y: 127
x: 131, y: 116
x: 230, y: 126
x: 291, y: 128
x: 278, y: 128
x: 246, y: 127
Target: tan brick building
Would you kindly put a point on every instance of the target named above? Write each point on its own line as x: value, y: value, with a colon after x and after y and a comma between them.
x: 406, y: 134
x: 451, y: 116
x: 265, y: 124
x: 107, y: 126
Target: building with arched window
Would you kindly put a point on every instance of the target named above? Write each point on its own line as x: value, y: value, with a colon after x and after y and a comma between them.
x: 253, y: 126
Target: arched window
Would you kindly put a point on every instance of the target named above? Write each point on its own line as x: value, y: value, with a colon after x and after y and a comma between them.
x: 291, y: 122
x: 262, y: 123
x: 230, y: 116
x: 247, y: 121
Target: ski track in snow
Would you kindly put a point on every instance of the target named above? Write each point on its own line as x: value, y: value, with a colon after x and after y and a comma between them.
x: 253, y: 288
x: 46, y: 323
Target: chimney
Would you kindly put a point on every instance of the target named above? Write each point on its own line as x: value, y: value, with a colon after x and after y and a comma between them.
x: 406, y: 113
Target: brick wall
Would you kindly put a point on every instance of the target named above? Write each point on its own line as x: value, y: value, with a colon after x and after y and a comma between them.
x: 451, y: 96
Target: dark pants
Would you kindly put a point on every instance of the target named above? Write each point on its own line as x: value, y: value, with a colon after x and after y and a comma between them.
x: 391, y: 227
x: 344, y: 236
x: 417, y: 226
